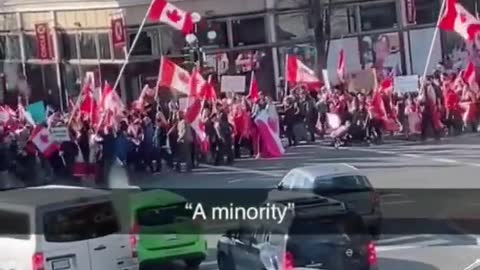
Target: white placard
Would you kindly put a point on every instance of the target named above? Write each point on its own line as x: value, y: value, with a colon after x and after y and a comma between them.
x: 60, y: 134
x: 183, y: 103
x: 326, y: 80
x: 406, y: 84
x: 4, y: 117
x: 233, y: 84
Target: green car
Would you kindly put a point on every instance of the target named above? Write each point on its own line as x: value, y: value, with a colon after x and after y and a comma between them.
x: 162, y: 230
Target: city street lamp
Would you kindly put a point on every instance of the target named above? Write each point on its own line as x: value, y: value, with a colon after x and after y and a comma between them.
x: 193, y: 44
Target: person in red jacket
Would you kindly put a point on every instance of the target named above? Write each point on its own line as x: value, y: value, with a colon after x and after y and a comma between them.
x: 453, y: 110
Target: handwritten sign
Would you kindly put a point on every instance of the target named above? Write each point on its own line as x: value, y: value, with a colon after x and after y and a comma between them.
x: 60, y: 134
x: 233, y: 84
x: 406, y: 84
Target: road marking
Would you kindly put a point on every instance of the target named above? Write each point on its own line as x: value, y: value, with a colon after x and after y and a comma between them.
x: 398, y: 202
x: 403, y: 239
x: 446, y: 160
x: 236, y: 181
x: 411, y: 155
x: 242, y: 170
x: 209, y: 263
x: 473, y: 265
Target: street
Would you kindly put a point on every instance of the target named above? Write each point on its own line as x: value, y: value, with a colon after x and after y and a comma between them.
x: 414, y: 179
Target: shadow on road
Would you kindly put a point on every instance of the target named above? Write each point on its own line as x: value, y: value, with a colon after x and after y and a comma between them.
x: 398, y: 264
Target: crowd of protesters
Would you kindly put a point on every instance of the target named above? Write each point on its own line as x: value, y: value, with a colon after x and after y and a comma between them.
x: 160, y: 138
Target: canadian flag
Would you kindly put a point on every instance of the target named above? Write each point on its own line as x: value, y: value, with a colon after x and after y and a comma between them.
x: 44, y: 141
x: 457, y: 18
x: 253, y: 91
x: 164, y: 12
x: 201, y: 88
x: 341, y: 69
x: 173, y: 76
x: 469, y: 74
x: 146, y: 96
x: 298, y: 73
x: 110, y: 101
x: 88, y: 105
x: 193, y: 117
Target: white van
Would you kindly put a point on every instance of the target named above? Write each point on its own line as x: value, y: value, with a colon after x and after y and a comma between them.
x: 62, y: 228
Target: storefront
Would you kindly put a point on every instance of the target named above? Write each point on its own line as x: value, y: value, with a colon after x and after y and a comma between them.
x: 237, y: 38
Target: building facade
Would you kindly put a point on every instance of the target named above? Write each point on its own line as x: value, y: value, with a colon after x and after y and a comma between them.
x: 237, y: 36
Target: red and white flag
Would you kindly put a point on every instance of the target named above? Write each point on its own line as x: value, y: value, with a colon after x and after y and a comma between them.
x: 298, y: 73
x: 253, y: 91
x: 111, y: 101
x: 146, y: 96
x: 44, y: 141
x: 469, y: 75
x: 163, y: 11
x: 456, y: 18
x: 193, y: 117
x: 341, y: 68
x: 173, y: 76
x: 268, y: 128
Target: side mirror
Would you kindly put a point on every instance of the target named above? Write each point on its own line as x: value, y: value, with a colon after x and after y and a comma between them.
x: 280, y: 186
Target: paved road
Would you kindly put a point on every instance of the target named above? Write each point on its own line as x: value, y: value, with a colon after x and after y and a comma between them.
x: 415, y: 180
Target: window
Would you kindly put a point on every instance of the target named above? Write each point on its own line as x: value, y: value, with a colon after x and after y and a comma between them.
x: 354, y: 182
x: 427, y: 11
x: 104, y: 45
x: 212, y: 34
x: 88, y: 48
x: 10, y: 47
x: 173, y: 42
x: 289, y: 180
x: 42, y: 79
x: 243, y: 34
x: 14, y: 224
x: 80, y: 223
x: 163, y: 215
x: 292, y: 26
x: 68, y: 46
x: 30, y: 46
x: 283, y: 4
x: 343, y: 21
x: 305, y: 52
x: 378, y: 16
x: 12, y: 73
x: 70, y: 78
x: 143, y: 45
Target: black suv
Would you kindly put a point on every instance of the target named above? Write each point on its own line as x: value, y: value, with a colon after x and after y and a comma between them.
x: 320, y: 234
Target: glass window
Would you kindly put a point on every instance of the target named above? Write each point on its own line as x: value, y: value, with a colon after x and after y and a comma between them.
x: 88, y: 48
x: 243, y: 34
x: 14, y: 224
x: 173, y: 42
x: 71, y: 78
x: 80, y: 223
x: 143, y: 45
x: 378, y: 16
x: 289, y: 180
x: 30, y: 46
x: 104, y: 45
x: 353, y: 182
x: 10, y: 47
x: 68, y: 46
x: 12, y: 73
x: 292, y: 26
x: 212, y: 34
x: 427, y: 11
x: 42, y: 79
x: 305, y: 52
x: 283, y: 4
x: 163, y: 215
x: 343, y: 21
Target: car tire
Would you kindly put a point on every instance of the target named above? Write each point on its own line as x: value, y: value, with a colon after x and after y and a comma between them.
x: 224, y: 262
x: 193, y: 263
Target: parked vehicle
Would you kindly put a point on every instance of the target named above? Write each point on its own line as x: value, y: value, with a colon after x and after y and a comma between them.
x: 62, y: 228
x: 342, y: 182
x: 163, y: 231
x: 321, y: 233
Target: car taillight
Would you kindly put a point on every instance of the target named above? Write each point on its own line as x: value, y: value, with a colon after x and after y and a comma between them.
x: 134, y: 239
x: 38, y: 261
x: 372, y: 254
x: 288, y: 261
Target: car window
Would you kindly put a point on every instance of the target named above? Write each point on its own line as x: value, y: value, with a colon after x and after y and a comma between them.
x: 14, y: 225
x: 80, y: 222
x: 245, y: 234
x: 163, y: 215
x: 348, y: 224
x: 302, y: 182
x: 289, y: 180
x: 355, y: 182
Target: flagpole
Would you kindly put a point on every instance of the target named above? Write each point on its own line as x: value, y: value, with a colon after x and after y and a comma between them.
x: 285, y: 78
x: 251, y: 83
x: 435, y: 33
x: 132, y: 46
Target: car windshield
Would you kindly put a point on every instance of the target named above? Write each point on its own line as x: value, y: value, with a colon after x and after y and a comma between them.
x: 163, y: 215
x: 342, y: 183
x: 348, y: 224
x: 80, y: 222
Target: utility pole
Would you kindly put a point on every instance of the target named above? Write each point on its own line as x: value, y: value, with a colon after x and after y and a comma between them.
x: 321, y: 22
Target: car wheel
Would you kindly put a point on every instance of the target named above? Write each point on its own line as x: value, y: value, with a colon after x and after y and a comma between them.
x: 224, y: 262
x: 193, y: 263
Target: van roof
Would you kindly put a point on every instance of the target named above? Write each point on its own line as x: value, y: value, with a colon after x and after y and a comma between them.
x: 328, y: 170
x: 47, y: 195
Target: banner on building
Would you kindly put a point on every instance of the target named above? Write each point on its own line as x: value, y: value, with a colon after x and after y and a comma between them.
x: 119, y: 36
x: 411, y: 11
x: 44, y: 48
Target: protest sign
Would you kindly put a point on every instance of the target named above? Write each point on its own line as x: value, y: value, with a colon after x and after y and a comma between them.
x: 326, y: 79
x: 37, y: 110
x: 233, y: 84
x: 406, y: 84
x: 60, y: 134
x: 362, y: 81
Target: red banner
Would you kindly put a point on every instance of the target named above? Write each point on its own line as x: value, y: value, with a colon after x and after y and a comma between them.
x: 119, y: 36
x: 411, y: 11
x: 44, y: 48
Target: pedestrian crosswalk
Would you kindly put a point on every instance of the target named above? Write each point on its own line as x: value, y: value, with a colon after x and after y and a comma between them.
x: 398, y: 242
